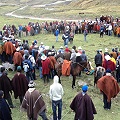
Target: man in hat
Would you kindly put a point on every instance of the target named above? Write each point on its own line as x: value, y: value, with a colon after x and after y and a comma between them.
x: 45, y: 68
x: 83, y: 106
x: 17, y: 58
x: 33, y: 103
x: 42, y: 46
x: 5, y: 112
x: 19, y: 84
x: 56, y: 92
x: 109, y: 87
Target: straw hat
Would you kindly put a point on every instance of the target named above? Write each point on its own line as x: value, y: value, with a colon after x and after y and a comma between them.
x: 43, y: 57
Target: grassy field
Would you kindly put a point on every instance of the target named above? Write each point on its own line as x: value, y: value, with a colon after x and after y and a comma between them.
x: 94, y: 43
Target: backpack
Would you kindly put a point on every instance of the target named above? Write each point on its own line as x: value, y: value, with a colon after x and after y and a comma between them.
x: 25, y: 67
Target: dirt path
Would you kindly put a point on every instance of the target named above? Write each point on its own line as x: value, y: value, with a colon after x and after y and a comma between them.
x: 12, y: 14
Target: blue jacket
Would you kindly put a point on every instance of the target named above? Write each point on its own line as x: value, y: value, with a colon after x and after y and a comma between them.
x: 57, y: 32
x: 29, y: 63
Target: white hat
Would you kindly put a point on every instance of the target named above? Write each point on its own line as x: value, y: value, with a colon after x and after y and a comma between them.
x: 41, y: 43
x: 43, y: 57
x: 18, y: 49
x: 106, y: 50
x: 66, y: 46
x: 107, y: 57
x: 61, y: 47
x: 31, y: 84
x: 47, y: 47
x: 79, y: 48
x: 77, y: 54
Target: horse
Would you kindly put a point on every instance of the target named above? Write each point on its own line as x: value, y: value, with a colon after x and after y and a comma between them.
x: 98, y: 73
x: 76, y: 68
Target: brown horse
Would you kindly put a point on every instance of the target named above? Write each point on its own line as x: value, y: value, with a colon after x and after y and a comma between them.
x: 76, y: 68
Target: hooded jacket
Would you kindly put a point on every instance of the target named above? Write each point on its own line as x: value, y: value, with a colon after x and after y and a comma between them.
x: 56, y: 90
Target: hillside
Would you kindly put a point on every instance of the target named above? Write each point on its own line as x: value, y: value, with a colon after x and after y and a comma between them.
x: 65, y: 9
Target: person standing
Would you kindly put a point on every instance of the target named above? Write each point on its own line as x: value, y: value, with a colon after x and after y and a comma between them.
x: 83, y: 106
x: 33, y: 103
x: 85, y: 33
x: 19, y: 84
x: 5, y: 112
x: 5, y: 86
x: 56, y: 92
x: 109, y: 87
x: 101, y: 31
x: 98, y: 59
x: 28, y: 69
x: 45, y: 68
x: 56, y: 34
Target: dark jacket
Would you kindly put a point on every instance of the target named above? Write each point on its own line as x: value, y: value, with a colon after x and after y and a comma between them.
x: 98, y: 59
x: 5, y: 112
x: 83, y: 107
x: 5, y: 85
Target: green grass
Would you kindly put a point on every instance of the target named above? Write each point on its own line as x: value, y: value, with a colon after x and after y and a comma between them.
x: 94, y: 43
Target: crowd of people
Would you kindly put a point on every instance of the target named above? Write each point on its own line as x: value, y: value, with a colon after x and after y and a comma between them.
x: 29, y: 58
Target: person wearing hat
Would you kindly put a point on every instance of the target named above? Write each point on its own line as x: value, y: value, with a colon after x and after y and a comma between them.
x: 108, y: 64
x: 42, y: 46
x: 17, y: 59
x: 56, y: 92
x: 5, y: 112
x: 79, y: 50
x: 109, y: 87
x: 9, y: 49
x: 5, y: 86
x: 45, y: 68
x: 83, y: 106
x: 61, y: 50
x: 19, y: 84
x: 33, y: 103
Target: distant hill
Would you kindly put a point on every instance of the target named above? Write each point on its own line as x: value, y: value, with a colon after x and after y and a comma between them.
x: 67, y: 9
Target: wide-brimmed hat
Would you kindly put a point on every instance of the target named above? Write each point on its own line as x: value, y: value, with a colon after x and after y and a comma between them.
x: 77, y: 54
x: 61, y: 47
x: 47, y: 47
x: 31, y: 84
x: 106, y: 49
x: 107, y: 57
x: 79, y: 48
x: 43, y: 57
